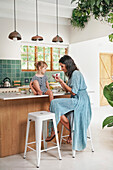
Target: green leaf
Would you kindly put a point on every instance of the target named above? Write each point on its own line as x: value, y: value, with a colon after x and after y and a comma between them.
x: 108, y: 92
x: 98, y: 3
x: 110, y: 102
x: 73, y: 1
x: 110, y: 125
x: 92, y: 3
x: 101, y: 8
x: 110, y: 15
x: 107, y: 121
x: 107, y: 1
x: 111, y: 37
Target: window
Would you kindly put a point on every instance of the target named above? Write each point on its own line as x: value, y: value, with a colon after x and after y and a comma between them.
x: 32, y: 54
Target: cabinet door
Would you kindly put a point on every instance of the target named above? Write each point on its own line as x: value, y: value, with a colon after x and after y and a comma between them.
x: 105, y: 74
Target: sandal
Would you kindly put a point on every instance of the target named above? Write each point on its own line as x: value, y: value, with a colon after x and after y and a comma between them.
x: 49, y: 138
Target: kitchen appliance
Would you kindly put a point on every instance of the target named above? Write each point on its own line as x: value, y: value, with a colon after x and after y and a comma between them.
x: 7, y: 82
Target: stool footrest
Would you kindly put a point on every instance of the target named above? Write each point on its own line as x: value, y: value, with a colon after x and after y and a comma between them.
x: 31, y: 143
x: 64, y: 139
x: 31, y: 148
x: 54, y: 147
x: 34, y: 142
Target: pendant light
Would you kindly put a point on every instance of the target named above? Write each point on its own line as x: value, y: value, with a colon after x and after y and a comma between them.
x: 37, y: 37
x: 14, y: 35
x: 57, y: 38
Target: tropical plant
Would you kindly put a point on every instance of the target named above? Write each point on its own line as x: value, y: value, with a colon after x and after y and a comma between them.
x: 100, y: 9
x: 108, y: 93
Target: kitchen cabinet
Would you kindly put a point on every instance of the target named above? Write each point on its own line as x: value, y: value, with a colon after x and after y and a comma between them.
x: 13, y: 120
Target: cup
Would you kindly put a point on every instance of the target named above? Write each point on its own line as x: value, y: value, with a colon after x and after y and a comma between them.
x: 56, y: 75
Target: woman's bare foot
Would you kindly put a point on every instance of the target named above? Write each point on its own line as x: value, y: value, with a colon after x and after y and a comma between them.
x: 69, y: 140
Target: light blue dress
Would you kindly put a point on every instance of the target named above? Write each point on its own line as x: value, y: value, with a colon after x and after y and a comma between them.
x: 80, y: 103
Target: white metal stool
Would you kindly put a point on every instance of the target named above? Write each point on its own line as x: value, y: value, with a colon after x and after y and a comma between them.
x: 39, y: 118
x: 73, y: 151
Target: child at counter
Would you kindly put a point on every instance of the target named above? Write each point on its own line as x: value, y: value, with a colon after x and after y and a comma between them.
x: 39, y: 83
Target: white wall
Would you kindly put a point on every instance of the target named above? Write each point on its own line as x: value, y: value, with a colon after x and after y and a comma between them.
x: 11, y: 50
x: 85, y: 53
x: 86, y: 56
x: 93, y: 29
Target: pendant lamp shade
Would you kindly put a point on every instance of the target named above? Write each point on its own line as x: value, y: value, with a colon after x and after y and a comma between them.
x: 57, y: 38
x: 37, y: 37
x: 14, y: 35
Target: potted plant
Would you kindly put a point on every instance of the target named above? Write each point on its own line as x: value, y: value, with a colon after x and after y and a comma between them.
x: 108, y: 93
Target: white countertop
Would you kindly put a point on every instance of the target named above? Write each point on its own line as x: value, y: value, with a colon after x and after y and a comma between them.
x: 13, y: 96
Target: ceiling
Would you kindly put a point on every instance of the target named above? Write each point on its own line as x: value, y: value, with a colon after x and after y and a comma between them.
x: 25, y: 10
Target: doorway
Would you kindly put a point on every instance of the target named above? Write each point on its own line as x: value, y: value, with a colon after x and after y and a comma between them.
x: 106, y: 74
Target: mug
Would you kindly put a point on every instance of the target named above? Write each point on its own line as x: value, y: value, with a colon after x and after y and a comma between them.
x: 56, y: 75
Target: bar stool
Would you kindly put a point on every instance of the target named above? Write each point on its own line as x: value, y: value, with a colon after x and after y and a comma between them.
x: 73, y: 151
x: 39, y: 118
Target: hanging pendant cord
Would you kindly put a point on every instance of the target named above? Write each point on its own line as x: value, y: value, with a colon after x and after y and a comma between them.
x: 57, y: 14
x: 14, y: 17
x: 36, y: 17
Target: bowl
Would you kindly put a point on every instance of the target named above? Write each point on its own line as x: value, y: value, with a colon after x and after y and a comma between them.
x: 55, y: 90
x: 23, y: 92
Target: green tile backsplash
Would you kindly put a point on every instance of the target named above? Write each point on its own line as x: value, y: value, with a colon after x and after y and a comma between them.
x: 12, y: 69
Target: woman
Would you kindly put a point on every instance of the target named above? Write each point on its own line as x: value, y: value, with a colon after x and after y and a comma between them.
x: 79, y: 103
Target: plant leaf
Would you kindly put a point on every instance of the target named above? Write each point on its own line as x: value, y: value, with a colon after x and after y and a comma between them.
x: 92, y: 3
x: 107, y: 121
x: 111, y: 37
x: 110, y: 125
x: 98, y: 3
x: 73, y: 1
x: 108, y: 92
x: 107, y: 1
x: 110, y: 102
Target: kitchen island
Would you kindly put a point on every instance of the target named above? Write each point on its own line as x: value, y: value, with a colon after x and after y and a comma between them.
x: 14, y: 109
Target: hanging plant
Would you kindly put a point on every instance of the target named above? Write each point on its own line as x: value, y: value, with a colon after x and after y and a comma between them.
x: 110, y: 20
x: 86, y: 8
x: 101, y: 8
x: 80, y: 15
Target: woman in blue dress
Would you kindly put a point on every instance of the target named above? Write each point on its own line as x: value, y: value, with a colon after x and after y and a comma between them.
x: 79, y: 103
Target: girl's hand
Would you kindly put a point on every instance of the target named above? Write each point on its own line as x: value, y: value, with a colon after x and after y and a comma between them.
x: 40, y: 92
x: 35, y: 93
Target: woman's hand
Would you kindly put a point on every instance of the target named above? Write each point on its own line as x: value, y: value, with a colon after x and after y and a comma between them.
x: 58, y: 79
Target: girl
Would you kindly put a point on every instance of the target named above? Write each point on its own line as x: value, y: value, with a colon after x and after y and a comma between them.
x: 39, y: 83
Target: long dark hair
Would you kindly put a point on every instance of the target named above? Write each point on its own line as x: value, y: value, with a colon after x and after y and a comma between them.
x: 70, y: 65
